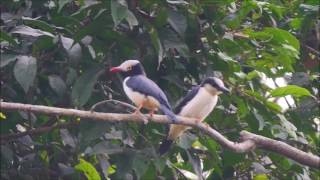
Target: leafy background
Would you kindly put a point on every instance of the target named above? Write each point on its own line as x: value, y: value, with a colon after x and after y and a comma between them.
x: 57, y: 53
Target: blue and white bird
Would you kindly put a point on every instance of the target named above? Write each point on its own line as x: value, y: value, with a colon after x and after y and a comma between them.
x: 142, y: 91
x: 197, y: 104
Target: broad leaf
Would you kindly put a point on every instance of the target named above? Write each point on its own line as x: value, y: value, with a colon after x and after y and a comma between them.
x: 57, y: 84
x: 26, y: 30
x: 178, y: 22
x: 88, y: 169
x: 131, y: 19
x: 82, y: 89
x: 7, y: 59
x: 156, y: 44
x: 293, y: 90
x: 119, y: 11
x: 25, y: 71
x: 90, y: 131
x: 73, y: 49
x: 6, y: 37
x: 38, y: 24
x: 140, y: 165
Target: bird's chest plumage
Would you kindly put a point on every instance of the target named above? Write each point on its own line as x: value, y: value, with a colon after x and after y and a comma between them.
x: 200, y: 106
x: 139, y: 99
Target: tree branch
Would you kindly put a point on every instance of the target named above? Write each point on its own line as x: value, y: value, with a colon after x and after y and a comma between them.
x: 249, y: 141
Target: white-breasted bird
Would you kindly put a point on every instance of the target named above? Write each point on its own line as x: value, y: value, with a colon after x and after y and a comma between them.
x: 142, y: 91
x: 197, y: 104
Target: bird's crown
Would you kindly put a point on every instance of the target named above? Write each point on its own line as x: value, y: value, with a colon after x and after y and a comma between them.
x: 213, y: 81
x: 129, y: 63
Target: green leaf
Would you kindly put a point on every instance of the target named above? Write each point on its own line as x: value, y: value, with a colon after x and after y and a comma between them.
x: 88, y: 169
x: 307, y: 7
x: 293, y: 90
x: 296, y: 23
x: 57, y: 84
x: 260, y: 177
x: 171, y: 41
x: 186, y: 140
x: 105, y: 147
x: 25, y: 71
x: 196, y: 163
x: 6, y: 37
x: 242, y: 107
x: 140, y: 165
x: 90, y: 131
x: 62, y: 3
x: 131, y: 19
x: 7, y: 59
x: 73, y: 49
x: 105, y: 166
x: 276, y: 36
x: 260, y: 119
x: 225, y: 57
x: 177, y: 21
x: 119, y: 11
x: 82, y: 89
x: 234, y: 20
x: 26, y: 30
x: 156, y: 44
x: 39, y: 24
x: 253, y: 74
x: 124, y: 163
x: 273, y: 106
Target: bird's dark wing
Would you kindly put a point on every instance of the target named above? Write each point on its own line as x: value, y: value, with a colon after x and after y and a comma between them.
x: 190, y: 95
x: 147, y: 87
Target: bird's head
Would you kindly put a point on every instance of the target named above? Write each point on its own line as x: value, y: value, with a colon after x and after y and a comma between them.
x: 129, y: 68
x: 215, y: 86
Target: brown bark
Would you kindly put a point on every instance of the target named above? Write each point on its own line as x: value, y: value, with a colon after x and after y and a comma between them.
x: 249, y: 141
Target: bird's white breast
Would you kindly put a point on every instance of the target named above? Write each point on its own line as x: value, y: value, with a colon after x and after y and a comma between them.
x: 140, y: 99
x: 200, y: 106
x: 136, y: 97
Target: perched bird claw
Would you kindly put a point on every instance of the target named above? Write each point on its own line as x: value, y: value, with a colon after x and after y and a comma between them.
x: 145, y: 120
x: 206, y: 124
x: 198, y: 120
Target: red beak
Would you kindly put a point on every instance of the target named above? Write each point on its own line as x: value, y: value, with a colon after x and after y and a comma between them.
x: 115, y: 69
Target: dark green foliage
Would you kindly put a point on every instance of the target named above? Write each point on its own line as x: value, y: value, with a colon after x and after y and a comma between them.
x: 58, y: 53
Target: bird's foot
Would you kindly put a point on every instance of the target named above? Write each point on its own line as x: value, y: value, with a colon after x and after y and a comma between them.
x: 151, y: 113
x: 198, y: 120
x: 145, y: 120
x: 138, y: 113
x: 206, y: 124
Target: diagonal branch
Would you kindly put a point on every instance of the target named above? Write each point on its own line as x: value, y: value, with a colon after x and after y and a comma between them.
x: 249, y: 141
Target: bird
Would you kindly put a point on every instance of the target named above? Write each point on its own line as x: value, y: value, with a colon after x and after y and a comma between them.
x: 142, y: 91
x: 197, y: 104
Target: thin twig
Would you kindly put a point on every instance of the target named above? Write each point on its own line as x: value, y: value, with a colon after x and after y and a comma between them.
x: 114, y: 101
x: 312, y: 50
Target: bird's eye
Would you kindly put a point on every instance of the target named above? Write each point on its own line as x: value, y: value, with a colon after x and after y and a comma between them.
x: 129, y: 68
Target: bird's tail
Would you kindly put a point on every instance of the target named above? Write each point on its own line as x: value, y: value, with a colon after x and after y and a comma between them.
x: 169, y: 113
x: 165, y: 146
